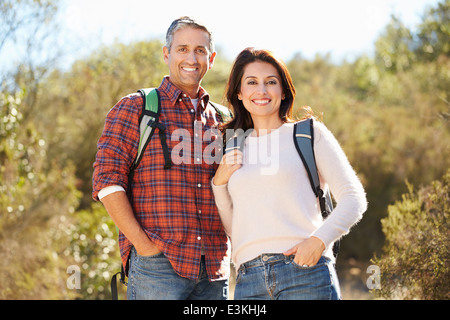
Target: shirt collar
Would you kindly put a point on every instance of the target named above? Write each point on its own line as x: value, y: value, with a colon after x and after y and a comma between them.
x: 173, y: 93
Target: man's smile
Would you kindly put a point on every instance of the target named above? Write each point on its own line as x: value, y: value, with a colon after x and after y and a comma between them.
x: 189, y: 69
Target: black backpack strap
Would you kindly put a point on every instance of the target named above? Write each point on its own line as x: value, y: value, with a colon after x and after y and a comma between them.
x: 304, y: 142
x: 114, y: 292
x: 236, y: 142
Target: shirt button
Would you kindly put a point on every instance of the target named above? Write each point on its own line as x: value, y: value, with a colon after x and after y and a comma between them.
x: 199, y: 238
x: 199, y: 185
x: 200, y: 211
x: 192, y: 110
x: 180, y: 100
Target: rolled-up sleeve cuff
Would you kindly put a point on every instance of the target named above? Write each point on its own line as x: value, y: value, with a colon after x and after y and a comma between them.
x: 109, y: 190
x: 105, y: 181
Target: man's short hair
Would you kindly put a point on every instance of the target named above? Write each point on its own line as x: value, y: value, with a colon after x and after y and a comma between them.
x: 183, y: 22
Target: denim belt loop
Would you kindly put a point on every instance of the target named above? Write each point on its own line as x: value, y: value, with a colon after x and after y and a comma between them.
x: 288, y: 259
x: 243, y: 268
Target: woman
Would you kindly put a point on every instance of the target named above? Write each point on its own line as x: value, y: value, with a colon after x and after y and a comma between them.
x: 281, y: 247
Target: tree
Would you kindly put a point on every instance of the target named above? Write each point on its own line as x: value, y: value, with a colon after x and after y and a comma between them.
x: 434, y: 33
x: 393, y: 48
x: 28, y: 31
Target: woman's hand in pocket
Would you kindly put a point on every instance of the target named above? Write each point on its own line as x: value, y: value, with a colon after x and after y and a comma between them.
x: 308, y: 252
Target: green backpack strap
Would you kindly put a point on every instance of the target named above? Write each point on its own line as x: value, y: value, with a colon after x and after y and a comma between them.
x: 225, y: 113
x: 304, y: 142
x: 148, y: 122
x: 150, y: 114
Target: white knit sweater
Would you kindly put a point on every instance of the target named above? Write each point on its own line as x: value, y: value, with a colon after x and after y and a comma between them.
x: 268, y: 205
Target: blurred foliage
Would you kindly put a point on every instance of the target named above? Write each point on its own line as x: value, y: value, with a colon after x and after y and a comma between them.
x: 389, y: 111
x: 75, y: 103
x: 36, y: 194
x: 416, y: 256
x: 94, y: 247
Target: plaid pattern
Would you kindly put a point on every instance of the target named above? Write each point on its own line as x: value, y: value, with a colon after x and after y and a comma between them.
x: 175, y: 207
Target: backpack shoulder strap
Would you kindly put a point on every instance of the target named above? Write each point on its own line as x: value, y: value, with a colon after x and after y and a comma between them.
x: 148, y: 122
x: 150, y: 114
x: 223, y: 111
x: 304, y: 142
x: 236, y: 142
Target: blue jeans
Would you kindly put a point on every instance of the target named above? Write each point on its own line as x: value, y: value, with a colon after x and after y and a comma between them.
x: 277, y: 277
x: 153, y: 278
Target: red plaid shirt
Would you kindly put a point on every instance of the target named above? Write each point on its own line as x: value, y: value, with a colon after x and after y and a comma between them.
x: 175, y: 207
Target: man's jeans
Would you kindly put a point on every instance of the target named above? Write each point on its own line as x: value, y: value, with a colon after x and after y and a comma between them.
x: 277, y: 277
x: 153, y: 278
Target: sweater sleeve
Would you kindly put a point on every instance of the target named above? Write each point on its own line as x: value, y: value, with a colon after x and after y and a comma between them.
x: 224, y: 205
x: 346, y: 188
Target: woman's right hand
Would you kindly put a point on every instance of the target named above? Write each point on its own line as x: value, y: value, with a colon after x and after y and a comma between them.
x: 231, y: 162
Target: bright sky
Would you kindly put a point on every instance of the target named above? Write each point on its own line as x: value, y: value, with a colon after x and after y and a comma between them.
x: 345, y: 28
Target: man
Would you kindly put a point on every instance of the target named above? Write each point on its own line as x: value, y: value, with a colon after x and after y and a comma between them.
x: 171, y: 239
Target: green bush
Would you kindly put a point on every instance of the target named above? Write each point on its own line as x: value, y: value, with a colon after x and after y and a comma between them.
x: 415, y: 263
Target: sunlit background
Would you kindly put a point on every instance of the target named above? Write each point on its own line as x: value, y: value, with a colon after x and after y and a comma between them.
x: 345, y: 29
x: 377, y: 71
